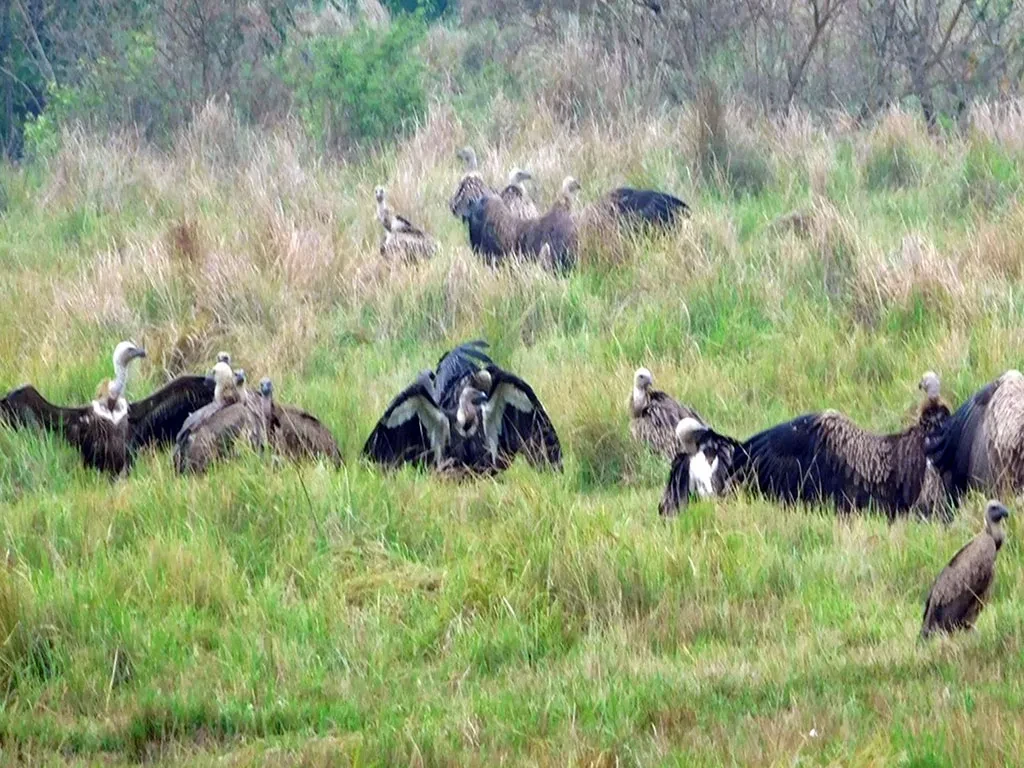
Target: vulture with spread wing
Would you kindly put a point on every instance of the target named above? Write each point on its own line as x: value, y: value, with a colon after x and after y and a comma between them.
x: 822, y: 457
x: 110, y: 430
x: 468, y: 415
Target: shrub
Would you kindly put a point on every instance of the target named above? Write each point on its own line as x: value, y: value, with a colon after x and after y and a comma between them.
x: 364, y: 87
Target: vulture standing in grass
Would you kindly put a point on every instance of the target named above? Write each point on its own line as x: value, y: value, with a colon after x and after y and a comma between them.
x: 517, y: 198
x: 294, y: 433
x: 402, y: 240
x: 211, y: 433
x: 654, y: 416
x: 960, y: 591
x: 467, y: 416
x: 110, y: 430
x: 982, y: 445
x: 821, y: 457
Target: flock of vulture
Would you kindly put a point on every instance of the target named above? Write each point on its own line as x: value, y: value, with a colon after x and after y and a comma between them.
x: 469, y: 417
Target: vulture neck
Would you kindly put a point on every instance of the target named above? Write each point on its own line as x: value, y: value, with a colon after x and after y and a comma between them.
x: 384, y: 215
x: 466, y: 414
x: 639, y: 400
x: 995, y: 530
x: 109, y: 404
x: 226, y: 394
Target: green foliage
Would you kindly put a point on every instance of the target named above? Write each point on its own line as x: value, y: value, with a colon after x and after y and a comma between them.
x: 892, y: 164
x: 367, y: 86
x: 429, y: 10
x: 991, y: 175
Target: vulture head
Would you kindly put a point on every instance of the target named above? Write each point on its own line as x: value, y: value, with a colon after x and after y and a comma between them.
x: 995, y: 513
x: 124, y: 353
x: 466, y: 416
x: 570, y: 186
x: 482, y: 380
x: 378, y: 195
x: 518, y: 176
x: 468, y: 156
x: 688, y: 432
x: 643, y: 380
x: 929, y: 384
x: 266, y: 387
x: 224, y: 357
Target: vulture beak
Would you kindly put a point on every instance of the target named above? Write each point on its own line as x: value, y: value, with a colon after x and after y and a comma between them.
x: 240, y: 377
x: 479, y: 398
x: 136, y: 352
x: 998, y: 512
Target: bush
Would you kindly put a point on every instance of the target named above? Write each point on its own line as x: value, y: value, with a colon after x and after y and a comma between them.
x: 364, y: 87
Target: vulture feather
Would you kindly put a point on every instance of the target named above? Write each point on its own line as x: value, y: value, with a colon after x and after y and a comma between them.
x: 110, y: 430
x: 402, y: 239
x: 515, y: 196
x: 654, y: 416
x: 825, y: 457
x: 961, y: 589
x: 982, y: 444
x: 647, y: 206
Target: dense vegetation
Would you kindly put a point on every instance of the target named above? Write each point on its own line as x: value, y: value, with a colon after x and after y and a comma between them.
x: 283, y: 615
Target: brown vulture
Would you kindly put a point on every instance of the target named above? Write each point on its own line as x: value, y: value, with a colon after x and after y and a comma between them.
x: 468, y: 415
x: 515, y: 196
x: 294, y: 433
x: 110, y: 430
x: 211, y: 433
x: 654, y: 416
x: 402, y: 240
x: 960, y: 591
x: 982, y: 445
x: 821, y: 457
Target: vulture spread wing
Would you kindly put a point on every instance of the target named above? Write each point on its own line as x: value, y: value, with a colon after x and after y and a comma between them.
x: 515, y: 421
x: 413, y: 428
x: 648, y: 205
x: 300, y: 435
x: 26, y: 407
x: 959, y: 592
x: 160, y: 417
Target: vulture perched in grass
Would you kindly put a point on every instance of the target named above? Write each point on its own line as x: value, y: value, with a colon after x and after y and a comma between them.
x: 822, y: 457
x: 402, y: 240
x: 467, y: 416
x: 210, y: 434
x: 110, y: 430
x: 294, y: 433
x: 960, y: 591
x: 517, y: 198
x: 654, y: 416
x: 982, y: 445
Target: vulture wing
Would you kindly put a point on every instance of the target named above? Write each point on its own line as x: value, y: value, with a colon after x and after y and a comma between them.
x: 470, y: 190
x: 958, y: 593
x: 160, y: 417
x: 707, y: 472
x: 950, y: 449
x: 25, y: 407
x: 656, y: 425
x: 402, y: 224
x: 300, y: 435
x: 411, y: 430
x: 648, y: 205
x: 518, y: 203
x: 677, y: 490
x: 214, y: 437
x: 514, y: 421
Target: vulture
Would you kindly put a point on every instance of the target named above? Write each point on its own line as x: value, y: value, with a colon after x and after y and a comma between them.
x: 294, y: 433
x: 557, y: 229
x: 516, y: 197
x: 821, y: 457
x: 211, y: 433
x: 472, y: 186
x: 646, y: 206
x: 467, y: 416
x: 960, y: 591
x: 654, y: 416
x: 109, y: 431
x: 982, y: 444
x: 401, y: 238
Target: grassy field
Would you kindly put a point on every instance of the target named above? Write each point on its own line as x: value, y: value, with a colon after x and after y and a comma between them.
x: 270, y: 615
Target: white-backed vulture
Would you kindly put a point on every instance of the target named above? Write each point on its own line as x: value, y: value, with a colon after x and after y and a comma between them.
x: 211, y: 433
x: 294, y: 433
x: 467, y: 416
x: 961, y: 589
x: 821, y: 457
x: 982, y: 444
x: 110, y: 430
x: 471, y: 187
x: 654, y: 415
x: 516, y: 197
x: 402, y: 240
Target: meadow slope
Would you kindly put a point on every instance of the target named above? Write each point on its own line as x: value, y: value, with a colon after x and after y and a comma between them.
x: 271, y: 615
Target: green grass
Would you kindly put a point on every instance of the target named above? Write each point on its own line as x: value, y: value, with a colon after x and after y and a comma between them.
x: 266, y: 614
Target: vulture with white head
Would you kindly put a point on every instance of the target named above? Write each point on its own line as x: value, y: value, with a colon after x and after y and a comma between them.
x: 515, y: 196
x: 110, y: 430
x: 294, y: 433
x: 402, y: 240
x: 962, y: 588
x: 654, y: 415
x: 982, y: 445
x: 211, y: 434
x: 468, y: 415
x: 822, y: 458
